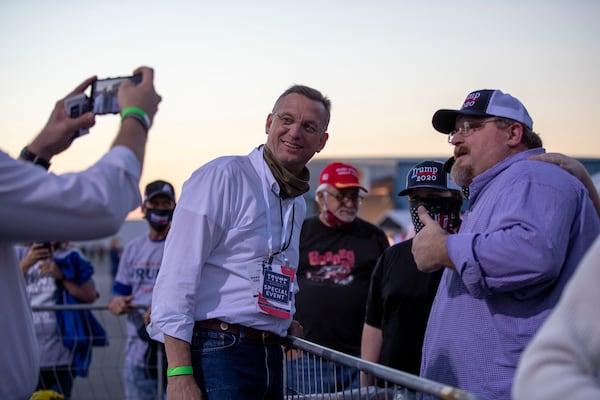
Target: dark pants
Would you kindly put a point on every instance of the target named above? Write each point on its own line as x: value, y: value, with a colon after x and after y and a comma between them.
x: 58, y: 378
x: 230, y: 367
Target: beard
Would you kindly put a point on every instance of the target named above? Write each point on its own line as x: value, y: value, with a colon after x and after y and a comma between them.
x: 346, y: 215
x: 462, y: 174
x: 337, y: 220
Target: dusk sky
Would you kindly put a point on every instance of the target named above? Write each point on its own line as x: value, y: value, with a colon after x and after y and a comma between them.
x: 387, y: 66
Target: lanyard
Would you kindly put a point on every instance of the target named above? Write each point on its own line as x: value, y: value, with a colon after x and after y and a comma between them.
x: 284, y: 245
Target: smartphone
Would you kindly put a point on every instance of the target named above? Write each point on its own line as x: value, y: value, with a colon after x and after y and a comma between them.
x: 103, y: 98
x: 46, y: 245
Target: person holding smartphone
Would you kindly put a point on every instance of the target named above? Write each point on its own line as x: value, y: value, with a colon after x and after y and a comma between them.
x: 40, y: 206
x: 47, y: 281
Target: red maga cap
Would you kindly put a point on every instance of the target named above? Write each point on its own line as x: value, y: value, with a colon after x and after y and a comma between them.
x: 341, y: 176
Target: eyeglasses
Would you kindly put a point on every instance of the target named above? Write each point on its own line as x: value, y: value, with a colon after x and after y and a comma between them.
x: 308, y: 127
x: 468, y: 128
x: 354, y: 197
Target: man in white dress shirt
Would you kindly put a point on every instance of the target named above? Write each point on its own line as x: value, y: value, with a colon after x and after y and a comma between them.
x: 224, y: 295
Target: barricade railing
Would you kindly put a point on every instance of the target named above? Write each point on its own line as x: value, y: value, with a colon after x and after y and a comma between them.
x: 105, y: 377
x: 391, y: 383
x: 105, y: 374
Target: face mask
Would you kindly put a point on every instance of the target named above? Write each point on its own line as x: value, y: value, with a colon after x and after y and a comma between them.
x: 159, y: 220
x: 445, y: 210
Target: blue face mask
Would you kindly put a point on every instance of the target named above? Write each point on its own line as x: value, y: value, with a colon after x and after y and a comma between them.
x: 158, y: 219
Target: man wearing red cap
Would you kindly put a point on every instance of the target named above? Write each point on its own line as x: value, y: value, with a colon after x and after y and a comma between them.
x: 338, y: 251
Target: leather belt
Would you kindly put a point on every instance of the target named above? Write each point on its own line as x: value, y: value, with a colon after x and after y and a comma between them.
x: 256, y: 335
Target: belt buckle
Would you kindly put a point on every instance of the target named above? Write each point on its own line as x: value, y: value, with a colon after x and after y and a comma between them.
x: 224, y: 326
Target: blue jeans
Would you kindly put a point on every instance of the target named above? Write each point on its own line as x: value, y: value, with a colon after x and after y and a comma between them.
x: 227, y: 367
x: 310, y: 374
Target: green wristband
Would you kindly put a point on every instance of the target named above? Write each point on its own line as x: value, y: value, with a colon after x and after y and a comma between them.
x: 187, y: 370
x: 137, y: 112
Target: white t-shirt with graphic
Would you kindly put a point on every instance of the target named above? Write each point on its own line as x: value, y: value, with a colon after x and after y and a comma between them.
x: 41, y: 290
x: 136, y: 275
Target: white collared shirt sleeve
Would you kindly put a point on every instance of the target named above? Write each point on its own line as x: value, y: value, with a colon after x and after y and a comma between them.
x: 37, y: 205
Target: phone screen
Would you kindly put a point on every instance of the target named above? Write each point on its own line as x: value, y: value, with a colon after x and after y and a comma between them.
x: 104, y: 94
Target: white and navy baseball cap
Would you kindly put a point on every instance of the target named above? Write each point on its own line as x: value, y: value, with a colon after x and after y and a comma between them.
x: 483, y: 103
x: 429, y: 174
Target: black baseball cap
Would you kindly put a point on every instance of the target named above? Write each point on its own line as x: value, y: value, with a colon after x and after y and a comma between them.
x: 159, y: 188
x: 428, y: 174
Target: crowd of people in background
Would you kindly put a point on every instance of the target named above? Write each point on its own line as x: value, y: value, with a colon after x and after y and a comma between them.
x: 493, y: 295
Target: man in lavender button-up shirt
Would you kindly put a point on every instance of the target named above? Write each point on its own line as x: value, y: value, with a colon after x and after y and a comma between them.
x: 526, y: 228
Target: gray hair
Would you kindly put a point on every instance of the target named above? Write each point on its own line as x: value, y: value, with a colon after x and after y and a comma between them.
x: 323, y: 187
x: 312, y: 94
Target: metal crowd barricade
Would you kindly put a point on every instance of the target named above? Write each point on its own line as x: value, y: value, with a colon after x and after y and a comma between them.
x: 105, y: 375
x: 392, y: 384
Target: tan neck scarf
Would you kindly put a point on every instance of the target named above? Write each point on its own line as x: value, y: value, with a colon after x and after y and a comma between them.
x: 290, y: 184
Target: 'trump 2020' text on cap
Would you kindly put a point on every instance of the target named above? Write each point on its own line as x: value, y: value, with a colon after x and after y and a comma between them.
x: 430, y: 175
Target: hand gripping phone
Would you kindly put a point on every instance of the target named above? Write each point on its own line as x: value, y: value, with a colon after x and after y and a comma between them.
x: 102, y: 100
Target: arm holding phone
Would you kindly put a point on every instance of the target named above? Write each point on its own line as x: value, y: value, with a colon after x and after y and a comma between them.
x: 144, y: 97
x: 40, y: 206
x: 35, y: 253
x: 89, y: 189
x: 57, y: 135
